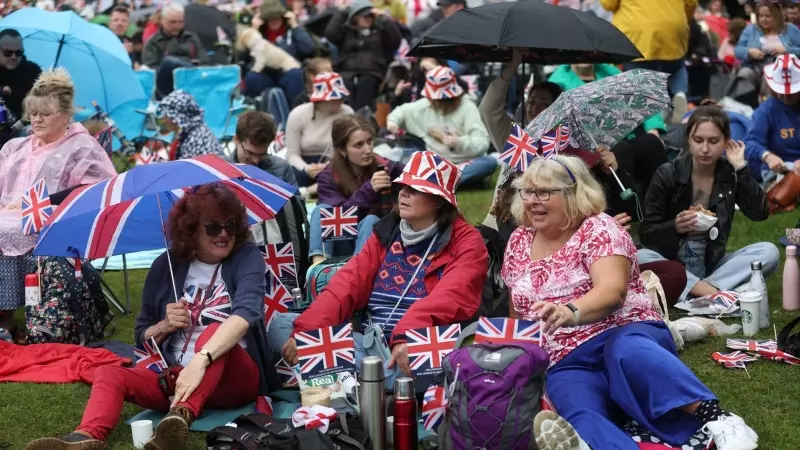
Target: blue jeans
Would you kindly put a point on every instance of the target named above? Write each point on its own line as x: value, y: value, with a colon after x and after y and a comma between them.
x: 280, y: 330
x: 164, y: 79
x: 315, y: 244
x: 732, y: 270
x: 768, y: 176
x: 678, y: 81
x: 472, y: 174
x: 291, y: 82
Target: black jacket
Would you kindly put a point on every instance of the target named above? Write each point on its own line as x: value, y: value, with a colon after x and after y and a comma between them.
x: 360, y: 54
x: 20, y: 81
x: 186, y: 46
x: 670, y: 192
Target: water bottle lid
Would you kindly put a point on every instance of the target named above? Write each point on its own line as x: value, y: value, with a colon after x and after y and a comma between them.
x: 372, y: 369
x: 791, y: 250
x: 404, y: 388
x: 755, y: 265
x: 296, y: 292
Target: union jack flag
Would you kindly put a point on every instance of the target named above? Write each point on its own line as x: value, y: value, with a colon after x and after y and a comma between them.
x: 339, y: 223
x: 36, y: 208
x: 279, y: 142
x: 325, y: 351
x: 472, y: 84
x: 554, y: 141
x: 434, y: 407
x: 285, y: 373
x: 277, y: 299
x: 329, y: 86
x: 501, y: 330
x: 427, y: 347
x: 780, y: 356
x: 403, y: 50
x: 280, y: 259
x: 149, y: 356
x: 147, y: 156
x: 750, y: 345
x: 733, y: 360
x: 724, y: 299
x: 217, y: 307
x: 520, y: 149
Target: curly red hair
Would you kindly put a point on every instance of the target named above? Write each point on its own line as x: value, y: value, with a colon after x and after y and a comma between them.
x: 202, y: 204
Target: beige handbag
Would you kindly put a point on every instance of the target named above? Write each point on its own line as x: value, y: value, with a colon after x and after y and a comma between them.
x: 653, y: 286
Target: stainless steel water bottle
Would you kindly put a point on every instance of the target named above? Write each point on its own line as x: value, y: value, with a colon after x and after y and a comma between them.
x: 373, y: 401
x: 405, y: 415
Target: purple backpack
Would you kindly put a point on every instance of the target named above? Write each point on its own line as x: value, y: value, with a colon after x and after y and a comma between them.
x: 495, y: 397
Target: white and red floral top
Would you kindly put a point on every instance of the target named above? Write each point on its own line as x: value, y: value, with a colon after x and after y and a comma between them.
x: 564, y: 277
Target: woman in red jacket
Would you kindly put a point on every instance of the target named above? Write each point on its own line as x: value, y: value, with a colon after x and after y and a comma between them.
x: 423, y: 266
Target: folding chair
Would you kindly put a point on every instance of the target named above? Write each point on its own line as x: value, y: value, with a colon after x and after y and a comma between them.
x: 216, y: 90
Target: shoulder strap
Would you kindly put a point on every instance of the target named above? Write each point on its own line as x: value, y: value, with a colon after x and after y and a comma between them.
x: 247, y: 438
x: 790, y: 343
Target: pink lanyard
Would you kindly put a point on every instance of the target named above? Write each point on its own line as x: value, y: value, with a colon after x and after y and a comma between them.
x: 206, y: 295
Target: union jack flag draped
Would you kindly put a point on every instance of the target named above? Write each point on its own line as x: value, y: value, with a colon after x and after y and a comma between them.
x: 325, y: 351
x: 502, y: 330
x: 427, y: 348
x: 338, y: 223
x: 434, y: 407
x: 149, y: 356
x: 519, y: 150
x: 733, y: 360
x: 36, y: 208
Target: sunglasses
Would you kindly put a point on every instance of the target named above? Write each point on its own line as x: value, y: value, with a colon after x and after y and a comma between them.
x: 10, y: 53
x: 213, y: 229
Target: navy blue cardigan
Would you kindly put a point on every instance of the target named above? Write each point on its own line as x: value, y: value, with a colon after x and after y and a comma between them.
x: 243, y: 273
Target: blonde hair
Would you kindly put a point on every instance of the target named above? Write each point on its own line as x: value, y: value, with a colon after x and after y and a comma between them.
x: 53, y: 86
x: 583, y: 197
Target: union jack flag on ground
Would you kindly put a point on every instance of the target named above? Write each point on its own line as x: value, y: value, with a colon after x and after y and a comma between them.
x: 277, y: 299
x: 285, y: 373
x: 149, y: 356
x: 751, y: 345
x: 733, y: 360
x: 339, y: 223
x: 780, y: 356
x: 554, y: 141
x: 520, y: 149
x: 427, y: 348
x: 501, y: 330
x: 325, y: 351
x: 724, y: 299
x: 434, y: 407
x: 280, y: 259
x: 36, y: 208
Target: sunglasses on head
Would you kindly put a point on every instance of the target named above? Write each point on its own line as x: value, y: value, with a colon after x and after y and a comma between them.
x: 10, y: 53
x: 213, y: 229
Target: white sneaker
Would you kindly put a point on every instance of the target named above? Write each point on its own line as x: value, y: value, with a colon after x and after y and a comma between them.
x: 553, y: 432
x: 731, y: 433
x: 679, y: 107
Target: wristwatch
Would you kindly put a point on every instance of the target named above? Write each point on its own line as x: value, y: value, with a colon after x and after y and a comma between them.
x: 576, y: 312
x: 207, y: 354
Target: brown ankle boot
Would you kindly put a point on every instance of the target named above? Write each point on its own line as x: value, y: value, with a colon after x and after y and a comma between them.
x: 72, y: 441
x: 172, y: 432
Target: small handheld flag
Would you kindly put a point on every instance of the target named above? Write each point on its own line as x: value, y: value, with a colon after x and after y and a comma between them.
x: 277, y: 298
x: 427, y: 348
x: 520, y: 150
x: 502, y: 330
x: 434, y: 407
x: 149, y: 355
x: 325, y: 351
x: 338, y: 223
x: 36, y: 208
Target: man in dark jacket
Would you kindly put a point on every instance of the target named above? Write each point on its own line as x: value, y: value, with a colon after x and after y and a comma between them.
x: 172, y: 47
x: 367, y: 42
x: 17, y: 74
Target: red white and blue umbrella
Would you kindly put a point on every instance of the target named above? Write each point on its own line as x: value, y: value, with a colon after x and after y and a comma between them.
x: 126, y: 213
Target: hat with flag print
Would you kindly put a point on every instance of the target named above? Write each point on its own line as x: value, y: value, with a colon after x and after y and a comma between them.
x: 783, y: 76
x: 328, y: 86
x: 441, y: 84
x: 430, y: 173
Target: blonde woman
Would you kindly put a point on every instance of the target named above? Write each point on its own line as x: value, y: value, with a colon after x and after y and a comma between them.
x: 572, y: 267
x: 65, y: 155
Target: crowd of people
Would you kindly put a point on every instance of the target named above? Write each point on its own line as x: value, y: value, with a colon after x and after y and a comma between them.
x: 364, y: 123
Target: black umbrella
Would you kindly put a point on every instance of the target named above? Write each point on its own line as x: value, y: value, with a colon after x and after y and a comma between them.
x: 316, y: 25
x: 553, y: 34
x: 203, y: 20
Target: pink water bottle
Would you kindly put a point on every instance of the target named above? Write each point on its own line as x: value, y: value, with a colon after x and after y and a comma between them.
x: 791, y: 280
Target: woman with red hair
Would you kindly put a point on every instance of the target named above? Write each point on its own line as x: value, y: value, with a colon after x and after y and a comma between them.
x: 215, y: 331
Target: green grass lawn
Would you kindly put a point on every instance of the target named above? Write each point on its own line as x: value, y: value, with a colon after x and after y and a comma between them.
x: 768, y: 401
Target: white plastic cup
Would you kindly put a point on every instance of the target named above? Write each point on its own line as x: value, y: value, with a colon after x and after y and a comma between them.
x: 750, y: 304
x: 142, y: 431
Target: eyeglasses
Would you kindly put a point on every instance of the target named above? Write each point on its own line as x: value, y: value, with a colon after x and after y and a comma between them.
x: 541, y: 194
x: 213, y: 229
x: 10, y: 53
x: 44, y: 115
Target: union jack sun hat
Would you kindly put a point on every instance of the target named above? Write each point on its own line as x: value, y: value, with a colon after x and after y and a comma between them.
x: 328, y: 86
x: 430, y: 173
x: 783, y: 76
x: 441, y: 84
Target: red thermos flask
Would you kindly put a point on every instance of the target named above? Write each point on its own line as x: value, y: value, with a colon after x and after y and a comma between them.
x: 405, y: 415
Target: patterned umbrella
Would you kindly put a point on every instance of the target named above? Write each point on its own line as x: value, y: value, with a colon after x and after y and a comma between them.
x: 126, y: 213
x: 606, y: 110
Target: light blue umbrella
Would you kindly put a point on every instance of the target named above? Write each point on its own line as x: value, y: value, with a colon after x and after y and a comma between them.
x: 92, y: 54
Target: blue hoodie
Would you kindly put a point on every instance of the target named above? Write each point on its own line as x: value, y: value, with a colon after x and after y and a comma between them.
x: 776, y: 127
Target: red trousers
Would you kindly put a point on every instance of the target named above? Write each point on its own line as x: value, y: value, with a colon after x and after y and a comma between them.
x: 231, y: 381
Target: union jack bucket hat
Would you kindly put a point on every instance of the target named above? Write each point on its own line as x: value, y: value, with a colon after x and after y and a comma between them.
x: 441, y: 84
x: 328, y: 86
x: 430, y: 173
x: 783, y: 76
